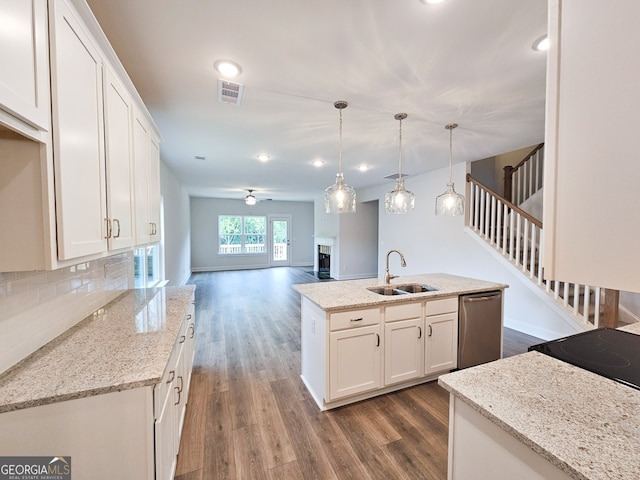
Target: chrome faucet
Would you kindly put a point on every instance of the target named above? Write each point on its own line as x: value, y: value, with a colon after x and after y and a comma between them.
x: 388, y: 276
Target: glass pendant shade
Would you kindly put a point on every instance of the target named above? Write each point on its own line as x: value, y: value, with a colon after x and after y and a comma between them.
x: 399, y: 200
x: 340, y: 197
x: 450, y: 202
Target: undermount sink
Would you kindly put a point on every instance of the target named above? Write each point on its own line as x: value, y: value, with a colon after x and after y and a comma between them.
x: 416, y: 288
x: 402, y: 289
x: 386, y: 291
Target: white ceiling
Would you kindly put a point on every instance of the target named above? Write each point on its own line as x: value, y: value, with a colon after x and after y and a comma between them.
x: 463, y: 61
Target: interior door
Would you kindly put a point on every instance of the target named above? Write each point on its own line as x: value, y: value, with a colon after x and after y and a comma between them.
x: 280, y: 240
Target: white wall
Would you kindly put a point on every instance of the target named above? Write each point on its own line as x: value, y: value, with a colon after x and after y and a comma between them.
x: 177, y: 228
x: 440, y: 244
x: 358, y: 242
x: 204, y: 232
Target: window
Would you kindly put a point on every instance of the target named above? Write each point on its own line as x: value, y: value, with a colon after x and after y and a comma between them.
x: 146, y: 266
x: 237, y: 234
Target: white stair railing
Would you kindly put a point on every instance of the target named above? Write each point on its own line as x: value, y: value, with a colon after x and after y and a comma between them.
x: 526, y: 178
x: 518, y: 237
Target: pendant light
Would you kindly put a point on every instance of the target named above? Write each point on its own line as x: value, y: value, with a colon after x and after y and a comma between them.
x: 450, y: 202
x: 399, y: 200
x: 250, y: 199
x: 340, y: 197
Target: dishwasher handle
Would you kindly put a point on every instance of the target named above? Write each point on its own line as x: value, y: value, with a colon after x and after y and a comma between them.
x: 484, y: 298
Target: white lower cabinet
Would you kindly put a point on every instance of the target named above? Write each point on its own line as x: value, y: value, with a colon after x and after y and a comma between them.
x: 441, y: 336
x: 170, y: 400
x: 133, y: 434
x: 351, y: 355
x: 354, y: 353
x: 403, y: 343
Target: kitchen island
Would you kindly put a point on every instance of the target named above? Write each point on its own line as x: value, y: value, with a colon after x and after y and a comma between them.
x: 533, y: 416
x: 110, y: 392
x: 357, y: 343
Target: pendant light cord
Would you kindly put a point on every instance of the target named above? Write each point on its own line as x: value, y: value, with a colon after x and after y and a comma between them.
x: 340, y: 145
x: 451, y: 155
x: 400, y: 156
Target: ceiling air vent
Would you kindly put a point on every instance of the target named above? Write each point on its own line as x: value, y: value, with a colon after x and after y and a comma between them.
x: 229, y: 92
x: 394, y: 176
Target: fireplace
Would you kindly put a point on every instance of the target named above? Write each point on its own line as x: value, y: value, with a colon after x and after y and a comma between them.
x: 324, y: 261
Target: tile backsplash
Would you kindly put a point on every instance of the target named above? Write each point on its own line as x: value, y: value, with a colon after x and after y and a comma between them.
x: 35, y: 307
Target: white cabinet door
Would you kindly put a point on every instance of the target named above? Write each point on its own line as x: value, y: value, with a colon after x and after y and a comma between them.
x: 141, y: 140
x: 165, y: 455
x: 119, y: 161
x: 79, y: 160
x: 146, y: 149
x: 24, y: 76
x: 403, y: 342
x: 154, y: 187
x: 441, y: 345
x: 591, y: 195
x: 354, y: 361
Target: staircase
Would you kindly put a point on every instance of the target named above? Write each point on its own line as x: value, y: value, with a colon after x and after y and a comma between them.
x: 515, y: 236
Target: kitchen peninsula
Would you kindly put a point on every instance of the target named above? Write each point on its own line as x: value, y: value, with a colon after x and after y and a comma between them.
x: 357, y: 343
x: 533, y: 416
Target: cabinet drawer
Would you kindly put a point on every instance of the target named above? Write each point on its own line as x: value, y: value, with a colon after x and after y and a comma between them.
x: 403, y: 312
x: 436, y: 307
x: 354, y: 318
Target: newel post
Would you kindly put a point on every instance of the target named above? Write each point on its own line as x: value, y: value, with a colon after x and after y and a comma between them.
x: 611, y: 303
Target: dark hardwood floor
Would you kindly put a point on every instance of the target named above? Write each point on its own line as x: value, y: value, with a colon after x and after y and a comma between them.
x: 249, y: 415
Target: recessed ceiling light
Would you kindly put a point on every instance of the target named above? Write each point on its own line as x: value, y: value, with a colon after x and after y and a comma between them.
x: 263, y: 157
x: 318, y: 163
x: 431, y: 2
x: 363, y: 167
x: 541, y: 44
x: 228, y: 68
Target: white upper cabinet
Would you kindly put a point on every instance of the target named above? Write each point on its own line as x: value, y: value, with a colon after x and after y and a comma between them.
x: 24, y: 76
x: 118, y: 115
x: 78, y: 136
x: 591, y: 227
x: 146, y: 149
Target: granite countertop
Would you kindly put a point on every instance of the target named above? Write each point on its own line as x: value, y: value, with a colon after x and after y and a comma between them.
x: 125, y: 344
x: 354, y: 294
x: 583, y: 423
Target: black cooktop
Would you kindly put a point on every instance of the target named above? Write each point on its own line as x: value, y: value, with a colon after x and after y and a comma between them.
x: 606, y: 351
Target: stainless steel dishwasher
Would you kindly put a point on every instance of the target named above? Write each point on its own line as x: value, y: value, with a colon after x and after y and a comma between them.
x: 479, y: 328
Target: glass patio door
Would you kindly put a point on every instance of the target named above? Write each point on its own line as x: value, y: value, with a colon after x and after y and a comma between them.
x: 280, y: 235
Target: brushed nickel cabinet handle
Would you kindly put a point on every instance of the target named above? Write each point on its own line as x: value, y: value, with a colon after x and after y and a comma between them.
x: 182, y: 339
x: 117, y: 222
x: 430, y: 330
x: 356, y: 319
x: 179, y: 392
x: 193, y: 330
x: 108, y: 225
x: 173, y: 375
